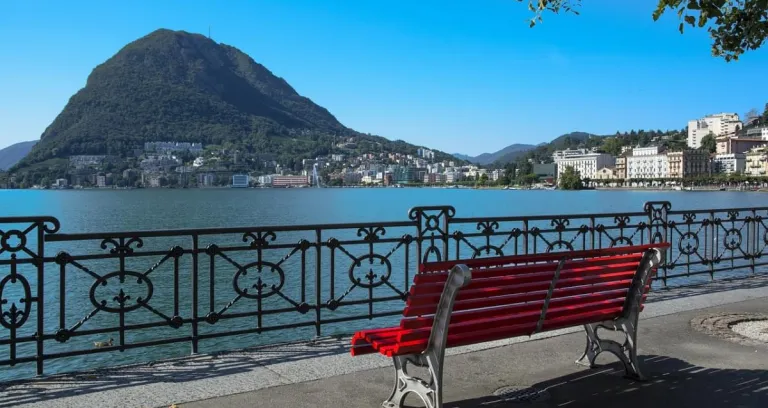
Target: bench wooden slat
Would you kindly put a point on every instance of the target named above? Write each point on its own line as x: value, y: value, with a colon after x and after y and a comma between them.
x: 510, y: 280
x: 509, y: 270
x: 523, y: 316
x: 550, y: 256
x: 585, y: 285
x: 490, y: 308
x: 498, y: 333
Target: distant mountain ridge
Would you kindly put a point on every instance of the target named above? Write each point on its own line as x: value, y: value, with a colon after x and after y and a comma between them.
x: 178, y: 86
x: 12, y: 154
x: 508, y: 153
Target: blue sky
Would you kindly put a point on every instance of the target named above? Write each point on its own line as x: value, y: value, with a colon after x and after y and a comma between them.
x: 459, y: 76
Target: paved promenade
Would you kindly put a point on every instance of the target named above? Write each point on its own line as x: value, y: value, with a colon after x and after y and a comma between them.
x: 687, y: 366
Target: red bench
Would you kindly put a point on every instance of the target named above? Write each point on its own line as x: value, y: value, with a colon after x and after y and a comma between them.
x: 514, y: 296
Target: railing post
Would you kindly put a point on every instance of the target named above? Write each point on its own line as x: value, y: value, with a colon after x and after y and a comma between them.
x: 318, y: 281
x: 40, y: 261
x: 657, y: 212
x: 195, y: 249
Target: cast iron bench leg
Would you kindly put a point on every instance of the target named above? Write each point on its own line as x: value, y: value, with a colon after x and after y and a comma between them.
x: 627, y: 324
x: 429, y: 391
x: 626, y: 352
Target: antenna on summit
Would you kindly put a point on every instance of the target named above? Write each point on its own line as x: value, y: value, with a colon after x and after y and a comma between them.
x: 209, y: 32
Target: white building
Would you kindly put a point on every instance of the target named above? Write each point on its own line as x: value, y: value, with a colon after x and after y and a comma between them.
x: 425, y: 153
x: 585, y: 162
x: 101, y: 181
x: 758, y: 132
x: 240, y: 180
x: 729, y: 163
x: 721, y: 124
x: 647, y: 163
x: 198, y: 162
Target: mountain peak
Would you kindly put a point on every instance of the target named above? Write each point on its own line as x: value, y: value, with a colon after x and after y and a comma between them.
x: 179, y: 86
x: 175, y: 85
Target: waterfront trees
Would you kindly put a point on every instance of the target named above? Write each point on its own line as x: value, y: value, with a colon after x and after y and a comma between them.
x: 570, y: 179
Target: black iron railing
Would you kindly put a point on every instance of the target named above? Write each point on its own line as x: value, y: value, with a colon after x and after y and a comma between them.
x: 72, y: 295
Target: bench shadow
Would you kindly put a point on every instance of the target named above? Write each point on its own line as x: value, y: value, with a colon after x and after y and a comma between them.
x: 671, y: 383
x: 180, y: 370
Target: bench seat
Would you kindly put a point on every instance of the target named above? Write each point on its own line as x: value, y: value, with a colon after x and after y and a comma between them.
x: 510, y: 297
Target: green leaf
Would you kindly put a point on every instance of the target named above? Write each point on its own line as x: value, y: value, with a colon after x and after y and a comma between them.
x: 690, y: 20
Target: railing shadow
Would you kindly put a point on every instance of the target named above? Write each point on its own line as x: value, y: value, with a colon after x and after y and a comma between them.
x: 659, y: 294
x: 671, y: 383
x: 171, y: 371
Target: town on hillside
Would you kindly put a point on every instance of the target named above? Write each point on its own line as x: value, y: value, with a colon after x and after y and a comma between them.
x: 716, y: 148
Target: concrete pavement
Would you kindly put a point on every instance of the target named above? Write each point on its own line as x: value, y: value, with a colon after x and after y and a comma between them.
x: 686, y: 368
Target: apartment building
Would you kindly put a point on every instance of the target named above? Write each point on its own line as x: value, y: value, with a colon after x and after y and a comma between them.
x: 585, y: 162
x: 756, y: 162
x: 758, y: 133
x: 606, y: 173
x: 721, y: 124
x: 647, y: 163
x: 688, y: 163
x: 621, y: 165
x: 729, y: 163
x: 726, y: 144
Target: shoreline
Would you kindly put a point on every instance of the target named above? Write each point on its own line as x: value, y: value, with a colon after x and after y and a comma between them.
x: 452, y: 187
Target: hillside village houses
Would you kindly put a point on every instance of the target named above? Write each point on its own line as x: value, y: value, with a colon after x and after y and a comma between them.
x: 180, y: 163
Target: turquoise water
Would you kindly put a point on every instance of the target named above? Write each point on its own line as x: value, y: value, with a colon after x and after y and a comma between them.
x: 98, y: 210
x: 110, y: 211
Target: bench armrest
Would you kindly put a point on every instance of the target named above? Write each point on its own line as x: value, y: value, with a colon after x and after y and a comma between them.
x: 458, y: 277
x: 652, y: 258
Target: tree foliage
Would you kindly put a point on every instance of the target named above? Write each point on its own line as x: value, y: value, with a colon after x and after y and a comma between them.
x: 736, y: 26
x: 570, y: 179
x: 709, y: 143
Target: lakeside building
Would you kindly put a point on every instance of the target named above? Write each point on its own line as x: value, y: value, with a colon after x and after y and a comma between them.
x: 606, y: 173
x: 721, y: 124
x: 290, y: 181
x: 647, y: 163
x: 149, y: 179
x: 585, y: 162
x: 726, y: 144
x: 546, y: 172
x: 206, y: 179
x: 621, y: 163
x: 240, y: 180
x: 756, y: 162
x: 688, y: 163
x: 729, y: 163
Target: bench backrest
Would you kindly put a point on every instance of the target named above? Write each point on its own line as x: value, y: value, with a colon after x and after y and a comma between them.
x: 522, y: 295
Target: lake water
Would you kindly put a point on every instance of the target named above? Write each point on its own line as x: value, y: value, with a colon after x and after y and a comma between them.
x: 117, y: 210
x: 93, y: 211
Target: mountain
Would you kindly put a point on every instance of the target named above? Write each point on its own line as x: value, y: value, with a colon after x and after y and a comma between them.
x: 463, y: 156
x: 13, y: 153
x: 507, y: 154
x: 569, y: 139
x: 178, y: 86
